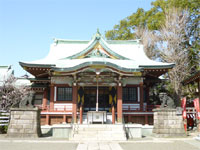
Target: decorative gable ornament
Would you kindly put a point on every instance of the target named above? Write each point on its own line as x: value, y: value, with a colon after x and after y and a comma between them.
x: 97, y: 53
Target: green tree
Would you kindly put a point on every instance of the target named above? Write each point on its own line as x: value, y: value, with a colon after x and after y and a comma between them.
x: 146, y: 24
x: 154, y: 18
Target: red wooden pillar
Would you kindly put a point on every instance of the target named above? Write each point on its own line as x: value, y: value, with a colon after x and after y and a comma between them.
x: 199, y: 103
x: 147, y: 93
x: 81, y: 114
x: 141, y: 97
x: 44, y: 101
x: 146, y: 119
x: 64, y: 119
x: 119, y: 103
x: 129, y: 118
x: 47, y: 119
x: 113, y: 115
x: 199, y: 90
x: 74, y: 103
x: 52, y: 98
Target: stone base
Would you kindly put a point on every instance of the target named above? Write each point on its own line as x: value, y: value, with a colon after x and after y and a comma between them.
x: 167, y: 123
x: 24, y: 122
x: 134, y: 130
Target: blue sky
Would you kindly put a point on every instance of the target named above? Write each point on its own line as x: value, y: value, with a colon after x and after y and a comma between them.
x: 27, y: 27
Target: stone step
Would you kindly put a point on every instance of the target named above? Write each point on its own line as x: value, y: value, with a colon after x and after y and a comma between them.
x: 98, y: 132
x: 100, y: 128
x: 79, y: 138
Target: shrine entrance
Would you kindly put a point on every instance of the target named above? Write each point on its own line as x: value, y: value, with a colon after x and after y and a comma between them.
x: 90, y: 98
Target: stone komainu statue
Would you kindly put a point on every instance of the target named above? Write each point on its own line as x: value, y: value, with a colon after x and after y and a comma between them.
x: 25, y: 102
x: 166, y: 101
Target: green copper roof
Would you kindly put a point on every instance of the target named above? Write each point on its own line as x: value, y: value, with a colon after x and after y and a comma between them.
x: 96, y: 39
x: 157, y: 67
x: 4, y: 66
x: 64, y: 41
x: 106, y: 64
x: 36, y: 65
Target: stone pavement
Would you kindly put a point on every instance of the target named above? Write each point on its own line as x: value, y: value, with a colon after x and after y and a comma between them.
x: 99, y: 146
x: 162, y: 144
x: 63, y: 144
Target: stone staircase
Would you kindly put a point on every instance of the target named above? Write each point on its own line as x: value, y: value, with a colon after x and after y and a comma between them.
x: 98, y: 132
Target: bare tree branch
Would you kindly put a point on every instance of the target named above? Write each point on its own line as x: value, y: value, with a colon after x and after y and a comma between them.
x: 10, y: 93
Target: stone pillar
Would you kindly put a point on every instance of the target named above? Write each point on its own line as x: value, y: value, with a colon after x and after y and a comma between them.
x: 167, y: 123
x: 44, y: 101
x: 24, y: 122
x: 119, y: 103
x: 52, y: 98
x: 74, y: 102
x: 113, y: 115
x: 141, y: 97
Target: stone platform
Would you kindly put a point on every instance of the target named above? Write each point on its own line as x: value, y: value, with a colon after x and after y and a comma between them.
x: 98, y: 132
x: 24, y: 122
x: 167, y: 123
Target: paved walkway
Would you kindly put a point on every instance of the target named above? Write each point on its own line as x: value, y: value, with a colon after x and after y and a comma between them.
x: 99, y: 146
x: 62, y: 144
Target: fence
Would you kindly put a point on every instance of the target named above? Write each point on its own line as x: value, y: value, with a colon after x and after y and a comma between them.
x: 4, y: 118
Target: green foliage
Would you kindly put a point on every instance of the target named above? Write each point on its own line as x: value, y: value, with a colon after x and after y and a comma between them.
x: 3, y: 129
x: 154, y: 20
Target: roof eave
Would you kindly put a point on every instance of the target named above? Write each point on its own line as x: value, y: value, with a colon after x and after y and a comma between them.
x: 157, y: 66
x: 36, y: 65
x: 96, y: 63
x: 191, y: 78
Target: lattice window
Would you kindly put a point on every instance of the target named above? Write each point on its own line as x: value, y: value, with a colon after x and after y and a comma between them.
x: 38, y: 99
x: 130, y: 94
x: 64, y: 94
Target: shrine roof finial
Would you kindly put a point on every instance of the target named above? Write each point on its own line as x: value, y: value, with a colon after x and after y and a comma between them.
x: 98, y: 34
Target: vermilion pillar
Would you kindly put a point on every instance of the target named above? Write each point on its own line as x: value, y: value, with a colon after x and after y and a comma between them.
x: 147, y: 93
x: 199, y: 90
x: 119, y: 103
x: 199, y: 103
x: 47, y: 119
x: 113, y: 115
x: 44, y: 101
x: 64, y: 118
x: 141, y: 97
x: 74, y: 103
x: 52, y: 97
x: 81, y: 114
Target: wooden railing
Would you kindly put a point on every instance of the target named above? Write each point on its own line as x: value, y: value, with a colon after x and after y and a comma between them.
x: 60, y: 109
x: 134, y: 108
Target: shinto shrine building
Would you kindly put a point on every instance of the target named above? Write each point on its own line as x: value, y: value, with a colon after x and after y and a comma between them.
x: 77, y: 77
